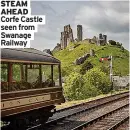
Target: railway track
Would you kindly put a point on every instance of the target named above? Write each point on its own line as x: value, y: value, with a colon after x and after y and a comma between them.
x: 124, y: 125
x: 72, y: 117
x: 107, y: 121
x: 88, y: 116
x: 69, y: 111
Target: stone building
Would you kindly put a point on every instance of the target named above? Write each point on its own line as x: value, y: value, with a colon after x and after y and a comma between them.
x: 105, y: 38
x: 79, y: 33
x: 66, y: 36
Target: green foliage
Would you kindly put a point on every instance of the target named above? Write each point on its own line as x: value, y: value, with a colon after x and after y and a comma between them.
x: 112, y: 42
x: 93, y: 83
x: 67, y: 58
x: 3, y: 75
x: 95, y: 77
x: 90, y: 90
x: 4, y: 72
x: 16, y: 72
x: 85, y: 67
x: 73, y: 88
x: 74, y: 45
x: 105, y: 68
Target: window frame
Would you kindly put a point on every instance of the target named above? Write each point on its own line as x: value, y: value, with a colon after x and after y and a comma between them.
x: 23, y: 77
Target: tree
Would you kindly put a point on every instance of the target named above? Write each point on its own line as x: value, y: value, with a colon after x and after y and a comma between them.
x: 105, y: 69
x: 95, y: 77
x: 93, y: 83
x: 73, y: 88
x: 112, y: 42
x: 85, y: 67
x: 76, y: 87
x: 90, y: 90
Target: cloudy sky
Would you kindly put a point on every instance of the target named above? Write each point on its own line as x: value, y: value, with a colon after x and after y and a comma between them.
x: 106, y: 17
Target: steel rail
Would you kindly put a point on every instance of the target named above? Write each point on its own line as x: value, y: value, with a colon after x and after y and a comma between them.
x: 80, y: 111
x: 54, y: 121
x: 82, y: 126
x: 119, y: 123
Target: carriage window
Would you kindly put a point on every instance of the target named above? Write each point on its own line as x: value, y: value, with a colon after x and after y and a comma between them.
x: 4, y: 77
x: 33, y: 73
x: 47, y: 76
x: 16, y: 72
x: 56, y: 74
x: 4, y: 72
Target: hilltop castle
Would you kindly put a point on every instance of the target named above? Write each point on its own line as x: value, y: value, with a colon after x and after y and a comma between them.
x: 67, y: 37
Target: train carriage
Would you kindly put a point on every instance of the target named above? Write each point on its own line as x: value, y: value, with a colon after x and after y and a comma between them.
x: 30, y: 86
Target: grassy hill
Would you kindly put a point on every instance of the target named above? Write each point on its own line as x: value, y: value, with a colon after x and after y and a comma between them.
x: 67, y: 57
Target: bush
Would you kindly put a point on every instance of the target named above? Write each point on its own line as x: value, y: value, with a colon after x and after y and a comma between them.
x: 93, y: 83
x: 105, y: 69
x: 85, y: 67
x: 95, y: 77
x: 73, y: 88
x: 77, y: 88
x: 90, y: 90
x: 112, y: 42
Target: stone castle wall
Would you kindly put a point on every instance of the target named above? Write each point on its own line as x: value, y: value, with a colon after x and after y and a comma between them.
x: 102, y: 39
x: 79, y: 33
x: 66, y: 36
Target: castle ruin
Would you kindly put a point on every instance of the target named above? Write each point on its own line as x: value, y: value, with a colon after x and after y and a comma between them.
x: 66, y: 36
x: 102, y: 39
x: 79, y: 33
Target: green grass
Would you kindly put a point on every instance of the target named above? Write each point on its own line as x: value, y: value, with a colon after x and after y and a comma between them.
x: 120, y: 58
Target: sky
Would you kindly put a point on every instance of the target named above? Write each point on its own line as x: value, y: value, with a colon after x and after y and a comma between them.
x: 106, y: 17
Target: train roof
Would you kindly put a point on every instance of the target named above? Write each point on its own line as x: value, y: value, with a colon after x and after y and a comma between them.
x: 27, y: 55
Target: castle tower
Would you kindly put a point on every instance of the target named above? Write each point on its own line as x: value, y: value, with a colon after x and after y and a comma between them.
x: 63, y: 40
x: 67, y: 28
x: 79, y: 32
x: 100, y: 36
x: 105, y: 38
x: 66, y: 36
x: 101, y: 40
x: 71, y: 35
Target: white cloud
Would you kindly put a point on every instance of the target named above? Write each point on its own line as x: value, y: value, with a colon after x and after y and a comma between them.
x: 106, y: 19
x: 111, y: 18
